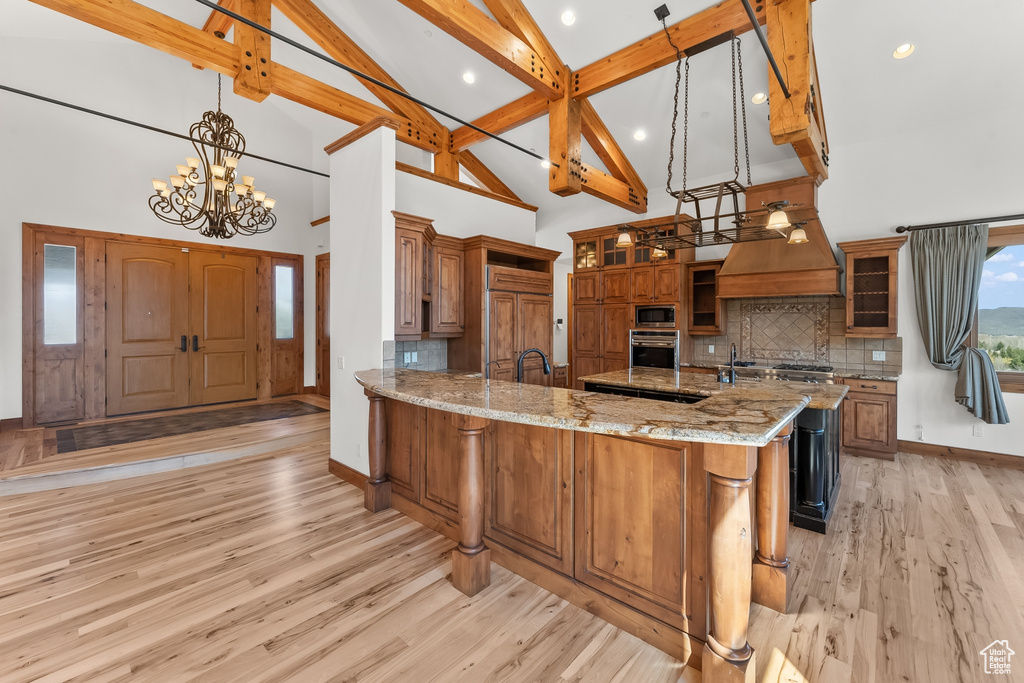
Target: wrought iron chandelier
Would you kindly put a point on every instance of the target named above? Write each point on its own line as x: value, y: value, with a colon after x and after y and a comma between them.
x: 200, y: 194
x: 727, y: 227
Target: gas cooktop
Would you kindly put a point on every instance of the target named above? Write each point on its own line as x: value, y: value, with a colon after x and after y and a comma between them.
x: 805, y: 368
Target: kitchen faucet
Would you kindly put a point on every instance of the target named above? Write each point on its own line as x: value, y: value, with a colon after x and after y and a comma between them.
x: 519, y: 365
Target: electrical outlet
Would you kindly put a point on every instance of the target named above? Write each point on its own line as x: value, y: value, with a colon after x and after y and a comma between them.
x: 878, y: 355
x: 711, y: 348
x: 408, y: 357
x: 414, y: 360
x: 979, y: 430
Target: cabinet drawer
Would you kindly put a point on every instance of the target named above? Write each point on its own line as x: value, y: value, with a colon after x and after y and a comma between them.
x: 871, y: 386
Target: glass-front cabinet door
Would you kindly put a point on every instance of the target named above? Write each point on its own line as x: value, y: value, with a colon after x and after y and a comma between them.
x: 585, y: 254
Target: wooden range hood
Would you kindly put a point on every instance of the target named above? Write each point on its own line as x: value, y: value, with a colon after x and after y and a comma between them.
x: 775, y: 267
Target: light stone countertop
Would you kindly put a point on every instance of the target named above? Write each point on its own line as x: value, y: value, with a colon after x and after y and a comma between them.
x: 822, y: 396
x: 745, y: 417
x: 882, y: 374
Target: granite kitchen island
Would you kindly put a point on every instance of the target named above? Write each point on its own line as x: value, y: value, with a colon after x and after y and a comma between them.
x: 639, y: 511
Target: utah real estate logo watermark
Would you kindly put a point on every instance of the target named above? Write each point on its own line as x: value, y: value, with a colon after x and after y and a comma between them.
x: 997, y: 657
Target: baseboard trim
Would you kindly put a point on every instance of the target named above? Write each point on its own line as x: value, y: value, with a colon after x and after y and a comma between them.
x: 309, y: 390
x: 866, y: 453
x: 348, y: 474
x: 10, y: 424
x: 1013, y: 462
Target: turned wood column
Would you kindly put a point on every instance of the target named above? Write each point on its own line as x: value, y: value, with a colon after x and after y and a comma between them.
x: 471, y: 560
x: 727, y: 655
x: 770, y: 571
x: 377, y: 495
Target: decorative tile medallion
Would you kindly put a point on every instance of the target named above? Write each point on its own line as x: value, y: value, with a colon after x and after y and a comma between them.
x: 796, y: 331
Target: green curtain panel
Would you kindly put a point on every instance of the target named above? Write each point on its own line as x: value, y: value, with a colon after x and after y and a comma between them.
x: 948, y: 263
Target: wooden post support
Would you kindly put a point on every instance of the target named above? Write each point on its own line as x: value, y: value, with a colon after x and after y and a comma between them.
x: 727, y: 655
x: 254, y: 71
x: 770, y: 570
x: 377, y: 495
x: 471, y: 560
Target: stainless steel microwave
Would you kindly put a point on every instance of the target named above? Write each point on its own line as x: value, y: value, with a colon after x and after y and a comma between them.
x: 654, y: 316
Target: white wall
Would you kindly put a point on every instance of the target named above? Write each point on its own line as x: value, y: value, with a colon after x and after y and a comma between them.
x: 362, y: 282
x: 458, y: 213
x: 67, y: 168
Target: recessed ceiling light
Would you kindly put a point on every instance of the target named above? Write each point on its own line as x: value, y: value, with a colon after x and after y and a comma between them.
x: 759, y: 98
x: 705, y: 114
x: 545, y: 163
x: 568, y: 18
x: 427, y: 33
x: 468, y: 77
x: 640, y: 134
x: 903, y: 51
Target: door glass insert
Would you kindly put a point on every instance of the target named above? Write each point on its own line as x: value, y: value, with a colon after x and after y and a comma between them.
x: 60, y: 294
x: 284, y: 297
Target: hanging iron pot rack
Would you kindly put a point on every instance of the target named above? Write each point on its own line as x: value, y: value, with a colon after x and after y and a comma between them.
x: 771, y: 221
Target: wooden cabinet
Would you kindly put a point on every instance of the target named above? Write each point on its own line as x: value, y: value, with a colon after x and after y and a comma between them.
x: 613, y: 257
x: 615, y: 333
x: 586, y: 288
x: 440, y: 485
x: 408, y: 284
x: 638, y: 506
x: 705, y: 311
x: 404, y: 451
x: 447, y: 305
x: 655, y: 284
x: 560, y: 377
x: 585, y: 255
x: 615, y: 287
x: 869, y: 418
x: 641, y: 285
x: 871, y: 268
x: 528, y: 504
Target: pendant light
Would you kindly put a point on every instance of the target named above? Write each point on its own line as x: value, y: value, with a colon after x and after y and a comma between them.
x: 797, y: 236
x: 778, y: 220
x: 658, y: 253
x: 624, y: 241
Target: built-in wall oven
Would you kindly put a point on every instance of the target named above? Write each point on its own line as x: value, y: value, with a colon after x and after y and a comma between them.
x: 654, y: 316
x: 654, y: 349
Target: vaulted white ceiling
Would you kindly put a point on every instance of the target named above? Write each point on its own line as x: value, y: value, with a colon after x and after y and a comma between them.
x: 968, y: 60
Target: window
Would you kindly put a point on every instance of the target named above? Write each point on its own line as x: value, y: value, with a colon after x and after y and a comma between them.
x: 999, y: 327
x: 284, y: 298
x: 60, y: 294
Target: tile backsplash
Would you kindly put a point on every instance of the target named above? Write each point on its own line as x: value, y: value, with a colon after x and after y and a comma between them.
x: 431, y: 354
x: 808, y: 329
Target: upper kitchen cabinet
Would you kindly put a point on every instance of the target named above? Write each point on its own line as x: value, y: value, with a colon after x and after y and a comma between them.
x: 413, y: 237
x: 612, y: 256
x: 705, y: 312
x: 585, y: 254
x: 447, y: 308
x: 871, y: 268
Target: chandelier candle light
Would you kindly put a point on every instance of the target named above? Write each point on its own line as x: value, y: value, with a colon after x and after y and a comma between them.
x: 212, y: 174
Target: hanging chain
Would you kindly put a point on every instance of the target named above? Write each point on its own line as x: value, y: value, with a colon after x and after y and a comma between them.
x: 686, y: 120
x: 743, y: 105
x: 218, y: 93
x: 735, y: 110
x: 675, y: 112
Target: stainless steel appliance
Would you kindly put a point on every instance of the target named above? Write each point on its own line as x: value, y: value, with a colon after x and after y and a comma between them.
x: 813, y: 448
x: 654, y: 349
x: 654, y: 316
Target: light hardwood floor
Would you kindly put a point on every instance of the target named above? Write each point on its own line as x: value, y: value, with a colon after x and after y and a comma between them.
x: 268, y: 569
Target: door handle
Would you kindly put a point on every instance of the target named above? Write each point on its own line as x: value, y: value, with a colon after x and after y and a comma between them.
x: 184, y: 343
x: 195, y: 342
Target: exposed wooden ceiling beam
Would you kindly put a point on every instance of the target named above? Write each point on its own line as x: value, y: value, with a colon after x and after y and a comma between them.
x: 798, y: 120
x: 639, y: 58
x: 600, y: 184
x: 525, y: 109
x: 335, y: 42
x: 611, y: 155
x: 476, y: 30
x: 149, y: 27
x: 482, y: 175
x: 412, y: 170
x: 253, y: 77
x: 565, y: 130
x: 218, y: 23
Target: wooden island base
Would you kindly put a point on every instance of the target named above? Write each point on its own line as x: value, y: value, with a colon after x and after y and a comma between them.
x: 616, y: 525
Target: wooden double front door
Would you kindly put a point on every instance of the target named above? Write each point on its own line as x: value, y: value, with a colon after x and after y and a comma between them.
x: 181, y: 327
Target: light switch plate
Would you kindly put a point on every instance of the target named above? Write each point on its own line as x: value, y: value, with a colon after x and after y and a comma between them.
x: 408, y: 357
x: 414, y: 354
x: 979, y: 430
x: 711, y: 348
x: 341, y: 362
x: 878, y: 355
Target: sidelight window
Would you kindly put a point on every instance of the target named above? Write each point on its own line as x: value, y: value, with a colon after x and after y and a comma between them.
x: 60, y: 294
x: 284, y: 302
x: 1000, y: 323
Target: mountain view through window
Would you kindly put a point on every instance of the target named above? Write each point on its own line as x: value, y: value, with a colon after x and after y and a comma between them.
x: 1001, y: 309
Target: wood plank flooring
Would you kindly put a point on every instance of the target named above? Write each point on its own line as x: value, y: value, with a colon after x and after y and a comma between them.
x: 268, y: 569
